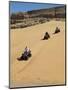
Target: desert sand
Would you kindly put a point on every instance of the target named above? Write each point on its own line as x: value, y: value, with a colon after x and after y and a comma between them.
x: 47, y: 64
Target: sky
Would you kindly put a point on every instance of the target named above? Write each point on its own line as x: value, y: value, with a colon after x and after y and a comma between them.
x: 28, y: 6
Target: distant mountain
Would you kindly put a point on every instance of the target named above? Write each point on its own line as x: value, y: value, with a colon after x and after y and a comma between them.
x: 51, y: 12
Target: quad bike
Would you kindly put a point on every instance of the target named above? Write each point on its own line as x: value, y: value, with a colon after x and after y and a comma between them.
x: 56, y: 31
x: 25, y: 56
x: 47, y: 36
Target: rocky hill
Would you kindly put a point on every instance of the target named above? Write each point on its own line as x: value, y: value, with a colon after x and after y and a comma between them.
x: 25, y: 19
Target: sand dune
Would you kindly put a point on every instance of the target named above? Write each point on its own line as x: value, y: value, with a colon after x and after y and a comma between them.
x: 47, y: 64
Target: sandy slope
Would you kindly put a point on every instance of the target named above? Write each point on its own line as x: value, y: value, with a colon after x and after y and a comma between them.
x: 46, y: 66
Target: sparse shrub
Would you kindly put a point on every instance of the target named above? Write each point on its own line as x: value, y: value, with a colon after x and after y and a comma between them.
x: 41, y: 21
